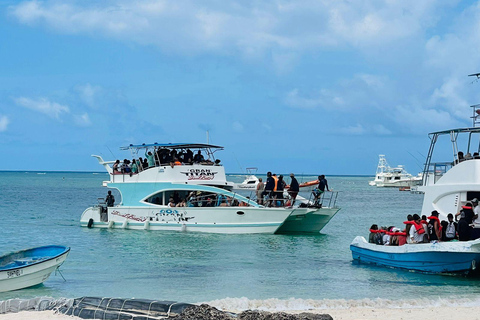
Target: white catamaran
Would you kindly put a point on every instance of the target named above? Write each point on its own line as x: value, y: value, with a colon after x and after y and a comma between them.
x: 194, y: 196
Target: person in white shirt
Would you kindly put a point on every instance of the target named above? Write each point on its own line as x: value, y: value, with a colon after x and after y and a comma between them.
x: 414, y: 235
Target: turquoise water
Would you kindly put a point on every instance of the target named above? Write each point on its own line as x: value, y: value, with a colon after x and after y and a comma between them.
x: 42, y: 209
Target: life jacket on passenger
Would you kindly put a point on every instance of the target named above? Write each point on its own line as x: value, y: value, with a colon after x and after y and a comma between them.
x: 418, y: 226
x: 431, y: 227
x: 276, y: 182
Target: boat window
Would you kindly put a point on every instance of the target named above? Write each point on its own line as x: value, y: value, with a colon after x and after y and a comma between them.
x: 156, y: 199
x: 193, y: 198
x: 472, y: 195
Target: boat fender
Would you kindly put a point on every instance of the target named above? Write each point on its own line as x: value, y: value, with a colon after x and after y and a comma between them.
x: 184, y: 227
x: 90, y: 223
x: 111, y: 224
x: 146, y: 226
x: 241, y: 213
x: 124, y: 224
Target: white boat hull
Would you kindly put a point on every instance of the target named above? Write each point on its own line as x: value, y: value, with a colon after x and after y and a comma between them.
x: 233, y: 220
x: 307, y: 220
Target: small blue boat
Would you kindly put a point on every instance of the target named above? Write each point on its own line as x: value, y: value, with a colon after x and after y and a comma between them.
x: 26, y: 268
x: 438, y: 257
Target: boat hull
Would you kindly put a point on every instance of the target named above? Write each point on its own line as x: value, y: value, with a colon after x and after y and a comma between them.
x: 307, y: 220
x: 232, y: 220
x: 18, y: 277
x: 429, y: 257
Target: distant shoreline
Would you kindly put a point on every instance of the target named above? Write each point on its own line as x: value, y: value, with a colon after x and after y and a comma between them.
x: 229, y: 173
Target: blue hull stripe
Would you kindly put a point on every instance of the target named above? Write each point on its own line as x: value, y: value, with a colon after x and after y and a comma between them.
x: 432, y: 261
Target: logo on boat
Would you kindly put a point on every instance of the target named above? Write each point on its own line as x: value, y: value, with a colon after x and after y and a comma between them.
x: 128, y: 216
x: 14, y: 273
x: 172, y: 215
x: 200, y: 174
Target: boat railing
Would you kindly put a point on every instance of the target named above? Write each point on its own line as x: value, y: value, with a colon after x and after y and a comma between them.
x: 435, y: 171
x: 329, y: 199
x: 121, y: 176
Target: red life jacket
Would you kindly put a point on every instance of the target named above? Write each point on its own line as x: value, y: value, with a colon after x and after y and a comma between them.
x: 438, y: 221
x: 418, y: 226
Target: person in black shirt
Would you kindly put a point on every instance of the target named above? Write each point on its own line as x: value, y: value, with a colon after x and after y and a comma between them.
x: 269, y: 187
x: 293, y: 189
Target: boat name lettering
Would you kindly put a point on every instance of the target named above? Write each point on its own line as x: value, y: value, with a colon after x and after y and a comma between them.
x: 200, y: 174
x: 168, y: 211
x: 129, y: 216
x: 14, y: 273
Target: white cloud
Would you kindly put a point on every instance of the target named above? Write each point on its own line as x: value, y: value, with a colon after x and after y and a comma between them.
x: 88, y: 94
x: 82, y: 120
x: 4, y: 121
x: 43, y: 105
x: 381, y: 130
x: 324, y: 99
x: 249, y: 27
x: 354, y: 130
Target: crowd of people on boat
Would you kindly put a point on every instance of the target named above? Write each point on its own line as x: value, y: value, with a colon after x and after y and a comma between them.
x: 461, y: 227
x: 271, y: 193
x: 201, y: 199
x: 161, y: 157
x: 461, y: 157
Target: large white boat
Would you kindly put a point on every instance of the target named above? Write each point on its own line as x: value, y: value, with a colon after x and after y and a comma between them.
x: 150, y: 199
x: 451, y: 176
x: 397, y: 177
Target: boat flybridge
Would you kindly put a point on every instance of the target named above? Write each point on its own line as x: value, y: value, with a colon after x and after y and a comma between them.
x: 451, y: 176
x: 178, y: 194
x: 397, y: 177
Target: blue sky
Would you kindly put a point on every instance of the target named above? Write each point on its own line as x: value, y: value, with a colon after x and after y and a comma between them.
x: 286, y: 86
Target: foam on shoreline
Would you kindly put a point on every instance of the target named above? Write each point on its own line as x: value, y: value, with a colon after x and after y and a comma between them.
x: 309, y: 305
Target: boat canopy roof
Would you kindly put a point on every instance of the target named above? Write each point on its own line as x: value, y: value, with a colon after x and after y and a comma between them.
x: 173, y: 146
x: 458, y: 130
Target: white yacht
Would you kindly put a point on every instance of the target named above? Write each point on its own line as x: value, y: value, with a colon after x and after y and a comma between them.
x: 186, y: 196
x: 250, y: 182
x: 397, y: 177
x: 451, y: 176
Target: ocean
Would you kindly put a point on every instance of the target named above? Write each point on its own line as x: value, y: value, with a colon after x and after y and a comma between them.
x: 271, y: 272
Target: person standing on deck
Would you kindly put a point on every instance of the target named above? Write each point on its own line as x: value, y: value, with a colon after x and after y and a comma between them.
x: 150, y: 159
x: 269, y: 186
x: 110, y: 199
x: 260, y: 189
x: 293, y: 189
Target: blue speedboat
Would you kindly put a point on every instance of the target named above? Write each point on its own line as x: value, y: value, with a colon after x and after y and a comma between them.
x: 438, y: 257
x: 26, y: 268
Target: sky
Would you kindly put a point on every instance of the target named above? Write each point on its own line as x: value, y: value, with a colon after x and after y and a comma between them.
x: 304, y: 86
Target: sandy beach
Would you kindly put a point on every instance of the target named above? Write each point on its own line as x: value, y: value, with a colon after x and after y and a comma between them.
x: 440, y: 313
